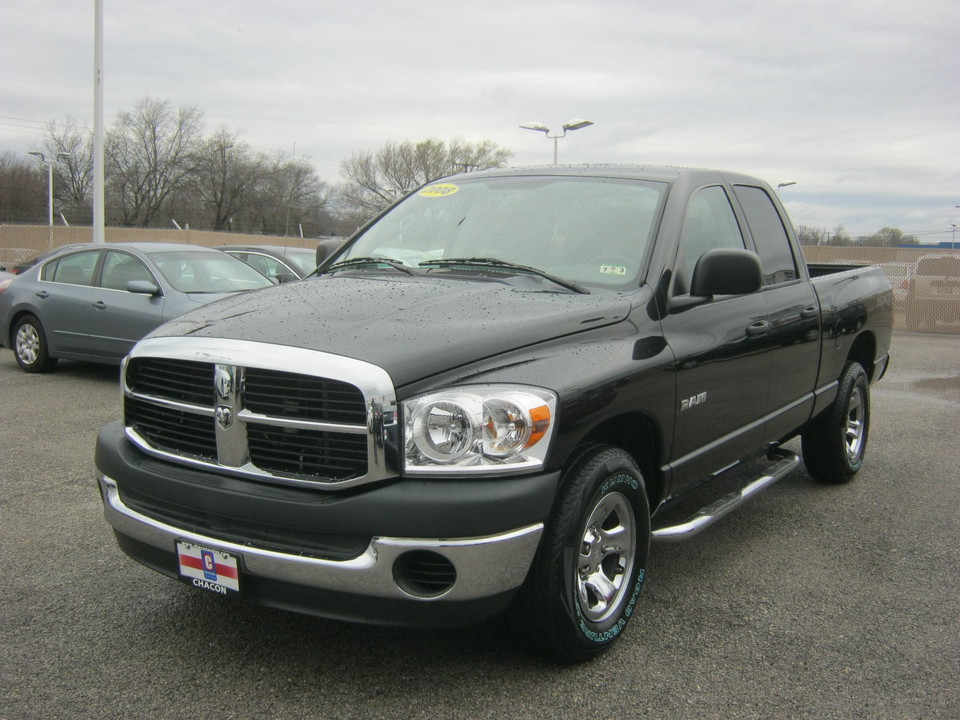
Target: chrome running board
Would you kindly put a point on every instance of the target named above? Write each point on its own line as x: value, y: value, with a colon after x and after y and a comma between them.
x: 783, y: 461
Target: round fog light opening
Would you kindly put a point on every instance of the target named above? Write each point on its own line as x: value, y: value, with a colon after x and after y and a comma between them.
x: 424, y: 574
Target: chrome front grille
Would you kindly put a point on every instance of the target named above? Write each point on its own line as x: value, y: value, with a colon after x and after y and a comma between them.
x: 171, y: 429
x: 271, y: 413
x: 301, y: 396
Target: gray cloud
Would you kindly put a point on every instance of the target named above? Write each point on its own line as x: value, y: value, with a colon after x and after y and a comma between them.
x: 854, y: 100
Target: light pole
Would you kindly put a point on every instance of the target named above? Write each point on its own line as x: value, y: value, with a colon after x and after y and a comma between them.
x: 786, y: 184
x: 49, y: 163
x: 569, y: 125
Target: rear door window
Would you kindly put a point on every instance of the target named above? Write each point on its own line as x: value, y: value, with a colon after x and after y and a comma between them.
x: 73, y: 269
x: 769, y: 235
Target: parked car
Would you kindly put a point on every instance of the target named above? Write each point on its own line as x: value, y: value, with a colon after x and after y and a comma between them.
x: 93, y: 302
x: 933, y: 300
x: 5, y: 278
x: 900, y: 275
x: 280, y: 263
x: 22, y: 267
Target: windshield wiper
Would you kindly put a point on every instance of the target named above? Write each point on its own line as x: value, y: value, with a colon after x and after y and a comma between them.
x: 361, y: 261
x: 504, y: 265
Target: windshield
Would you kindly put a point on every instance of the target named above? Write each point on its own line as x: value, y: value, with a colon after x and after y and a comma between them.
x: 591, y: 231
x: 305, y: 260
x: 207, y: 272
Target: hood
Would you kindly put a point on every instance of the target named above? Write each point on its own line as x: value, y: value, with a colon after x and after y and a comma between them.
x: 204, y: 298
x: 412, y: 327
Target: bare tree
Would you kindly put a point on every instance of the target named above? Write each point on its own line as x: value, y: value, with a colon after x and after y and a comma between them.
x: 73, y: 175
x: 23, y: 190
x: 149, y: 153
x: 289, y: 195
x: 465, y: 156
x: 226, y: 175
x: 376, y: 179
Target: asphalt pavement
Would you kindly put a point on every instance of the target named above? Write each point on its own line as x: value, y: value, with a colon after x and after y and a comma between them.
x: 811, y: 601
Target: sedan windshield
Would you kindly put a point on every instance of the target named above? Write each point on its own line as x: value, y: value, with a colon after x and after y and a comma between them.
x: 585, y: 231
x: 207, y: 272
x: 305, y: 260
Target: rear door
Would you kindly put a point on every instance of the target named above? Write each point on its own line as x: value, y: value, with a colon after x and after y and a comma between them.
x: 65, y: 301
x: 793, y: 314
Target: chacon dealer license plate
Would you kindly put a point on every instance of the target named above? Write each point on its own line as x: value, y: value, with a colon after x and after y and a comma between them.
x: 208, y: 569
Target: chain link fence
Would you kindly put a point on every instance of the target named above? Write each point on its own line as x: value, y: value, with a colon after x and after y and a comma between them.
x: 926, y: 281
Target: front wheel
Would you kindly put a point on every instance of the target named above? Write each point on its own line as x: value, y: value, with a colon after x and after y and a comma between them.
x: 589, y: 570
x: 30, y: 346
x: 835, y: 442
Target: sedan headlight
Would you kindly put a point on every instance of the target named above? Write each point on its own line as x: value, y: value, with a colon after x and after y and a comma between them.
x: 488, y: 429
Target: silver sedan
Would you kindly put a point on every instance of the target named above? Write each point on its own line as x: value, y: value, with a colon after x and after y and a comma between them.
x: 94, y: 302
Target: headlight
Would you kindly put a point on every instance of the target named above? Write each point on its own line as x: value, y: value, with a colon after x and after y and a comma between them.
x: 478, y: 429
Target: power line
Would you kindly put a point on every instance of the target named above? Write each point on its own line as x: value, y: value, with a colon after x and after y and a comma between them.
x: 26, y: 120
x: 8, y: 129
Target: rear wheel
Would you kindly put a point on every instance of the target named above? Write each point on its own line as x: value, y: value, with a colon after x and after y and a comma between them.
x: 589, y: 570
x: 835, y: 442
x: 30, y: 346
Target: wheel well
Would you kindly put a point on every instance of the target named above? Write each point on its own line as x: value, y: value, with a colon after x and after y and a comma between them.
x: 864, y: 351
x: 13, y: 324
x: 635, y: 434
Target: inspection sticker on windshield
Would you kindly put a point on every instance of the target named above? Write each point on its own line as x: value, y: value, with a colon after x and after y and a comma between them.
x: 613, y: 269
x: 439, y: 190
x: 208, y: 569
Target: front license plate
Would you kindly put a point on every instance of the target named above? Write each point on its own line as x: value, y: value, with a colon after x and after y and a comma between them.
x: 208, y: 569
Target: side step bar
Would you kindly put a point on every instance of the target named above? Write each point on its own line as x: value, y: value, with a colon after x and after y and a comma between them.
x: 783, y: 462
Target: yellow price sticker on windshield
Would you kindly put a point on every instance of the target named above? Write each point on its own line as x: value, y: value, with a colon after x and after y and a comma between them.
x: 440, y: 190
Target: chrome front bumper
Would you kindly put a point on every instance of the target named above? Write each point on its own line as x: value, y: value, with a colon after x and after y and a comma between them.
x: 485, y: 566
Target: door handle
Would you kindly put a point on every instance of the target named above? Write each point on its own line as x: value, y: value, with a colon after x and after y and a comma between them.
x: 809, y: 312
x: 42, y: 294
x: 758, y: 329
x: 100, y: 305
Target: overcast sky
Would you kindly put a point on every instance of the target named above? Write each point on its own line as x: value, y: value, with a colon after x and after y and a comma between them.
x: 856, y: 101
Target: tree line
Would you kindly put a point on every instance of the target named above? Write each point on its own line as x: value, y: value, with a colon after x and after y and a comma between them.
x: 885, y: 237
x: 160, y: 168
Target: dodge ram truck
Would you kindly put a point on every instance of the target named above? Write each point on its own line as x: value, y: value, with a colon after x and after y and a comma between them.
x: 492, y: 398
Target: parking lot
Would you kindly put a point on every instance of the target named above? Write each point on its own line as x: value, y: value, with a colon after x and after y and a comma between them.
x: 811, y: 601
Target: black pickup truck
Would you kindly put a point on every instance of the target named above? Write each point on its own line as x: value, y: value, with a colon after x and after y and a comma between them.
x: 496, y: 394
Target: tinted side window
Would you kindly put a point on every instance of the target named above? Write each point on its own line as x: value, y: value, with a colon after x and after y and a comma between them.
x: 120, y: 268
x: 709, y: 223
x: 73, y: 269
x: 773, y: 245
x: 271, y: 267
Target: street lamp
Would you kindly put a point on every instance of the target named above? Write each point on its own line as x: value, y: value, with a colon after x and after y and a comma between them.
x: 786, y: 184
x: 569, y: 125
x: 49, y: 163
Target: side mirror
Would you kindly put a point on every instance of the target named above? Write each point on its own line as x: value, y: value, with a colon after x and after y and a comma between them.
x: 325, y: 249
x: 283, y: 277
x: 143, y: 287
x: 725, y: 271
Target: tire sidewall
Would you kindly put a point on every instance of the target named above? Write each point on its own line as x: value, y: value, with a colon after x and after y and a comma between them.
x: 600, y: 473
x: 630, y: 485
x: 42, y: 361
x: 854, y: 381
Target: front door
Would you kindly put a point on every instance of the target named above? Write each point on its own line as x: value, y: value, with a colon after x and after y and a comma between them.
x: 720, y: 347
